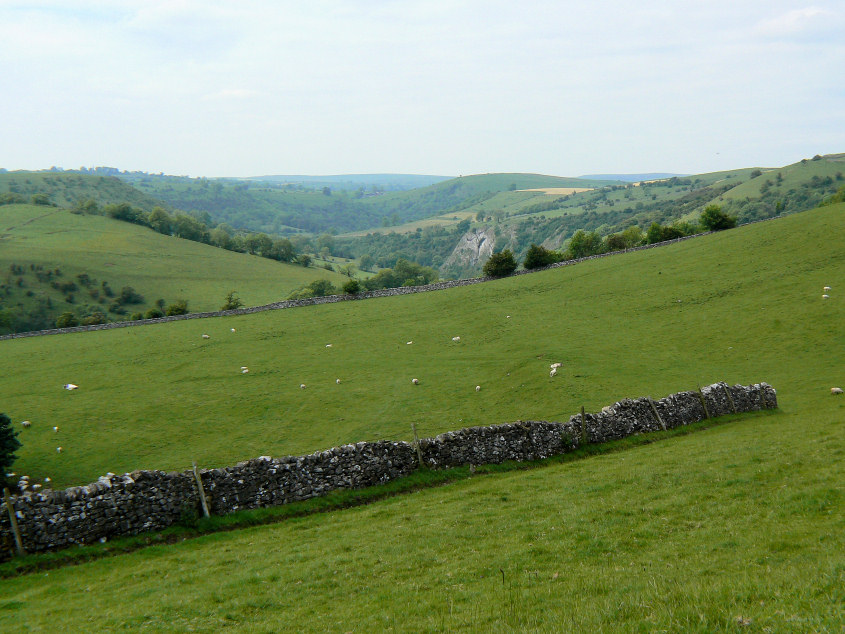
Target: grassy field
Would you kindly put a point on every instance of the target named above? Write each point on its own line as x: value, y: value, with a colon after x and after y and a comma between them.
x: 737, y: 528
x: 124, y: 254
x: 159, y: 396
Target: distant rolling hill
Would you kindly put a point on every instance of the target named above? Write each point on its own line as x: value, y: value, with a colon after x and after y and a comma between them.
x: 369, y: 182
x: 632, y: 178
x: 37, y: 241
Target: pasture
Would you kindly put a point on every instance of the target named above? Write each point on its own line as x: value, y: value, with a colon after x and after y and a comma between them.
x: 735, y: 528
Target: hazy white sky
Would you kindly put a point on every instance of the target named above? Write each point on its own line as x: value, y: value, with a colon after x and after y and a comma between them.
x: 420, y: 86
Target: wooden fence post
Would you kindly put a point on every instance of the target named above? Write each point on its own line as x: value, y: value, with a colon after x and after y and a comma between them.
x: 657, y: 414
x: 585, y: 437
x: 203, y: 501
x: 14, y: 521
x: 730, y: 398
x: 703, y: 403
x: 417, y: 445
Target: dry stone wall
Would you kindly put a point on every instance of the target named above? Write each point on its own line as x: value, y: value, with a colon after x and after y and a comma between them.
x: 142, y: 501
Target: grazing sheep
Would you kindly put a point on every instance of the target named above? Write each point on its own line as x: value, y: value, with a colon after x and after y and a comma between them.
x: 553, y: 372
x: 302, y: 386
x: 232, y: 329
x: 328, y: 345
x: 337, y: 381
x: 415, y: 381
x: 56, y: 429
x: 206, y: 337
x: 826, y: 289
x: 555, y: 365
x: 477, y: 388
x: 58, y: 450
x: 244, y: 370
x: 47, y: 480
x: 408, y: 343
x: 25, y: 423
x: 35, y: 487
x: 456, y: 338
x: 70, y: 386
x: 825, y: 296
x: 836, y: 390
x: 508, y: 317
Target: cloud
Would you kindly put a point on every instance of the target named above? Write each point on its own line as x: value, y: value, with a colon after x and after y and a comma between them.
x: 795, y: 22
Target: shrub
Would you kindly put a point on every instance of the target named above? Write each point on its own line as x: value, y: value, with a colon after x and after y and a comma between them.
x: 66, y: 320
x: 352, y: 287
x: 537, y: 257
x: 128, y: 295
x: 714, y: 219
x: 232, y: 301
x: 179, y: 307
x: 500, y: 264
x: 9, y: 444
x: 153, y: 313
x: 96, y: 317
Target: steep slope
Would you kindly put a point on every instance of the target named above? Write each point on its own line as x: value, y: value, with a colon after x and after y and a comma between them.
x: 36, y: 241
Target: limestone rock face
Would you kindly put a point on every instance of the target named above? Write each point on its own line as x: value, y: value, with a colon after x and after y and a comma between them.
x: 474, y: 247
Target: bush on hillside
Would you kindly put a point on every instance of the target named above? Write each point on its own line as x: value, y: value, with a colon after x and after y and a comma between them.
x: 317, y: 288
x: 179, y: 307
x: 352, y: 287
x: 500, y: 264
x: 96, y: 317
x: 153, y: 313
x: 714, y: 219
x: 538, y: 256
x: 67, y: 320
x: 232, y: 302
x: 9, y: 444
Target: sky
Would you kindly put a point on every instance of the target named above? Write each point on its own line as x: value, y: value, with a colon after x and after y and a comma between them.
x: 256, y: 87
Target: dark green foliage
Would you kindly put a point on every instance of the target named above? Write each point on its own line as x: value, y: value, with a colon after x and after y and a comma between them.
x: 304, y: 260
x: 67, y: 320
x: 153, y: 313
x: 40, y: 199
x: 179, y: 307
x: 232, y: 302
x: 500, y: 264
x: 583, y: 244
x: 96, y: 317
x: 352, y: 287
x: 714, y: 219
x: 538, y: 256
x: 128, y: 295
x: 317, y: 288
x: 9, y: 444
x: 404, y: 273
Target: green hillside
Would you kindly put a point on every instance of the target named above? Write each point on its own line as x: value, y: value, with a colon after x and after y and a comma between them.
x: 606, y: 320
x: 737, y: 528
x: 70, y: 189
x: 37, y: 241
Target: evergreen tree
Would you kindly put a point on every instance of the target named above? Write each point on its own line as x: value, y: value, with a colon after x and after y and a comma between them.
x: 9, y: 443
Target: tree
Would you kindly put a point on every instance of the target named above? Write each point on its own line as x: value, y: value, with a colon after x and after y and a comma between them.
x: 160, y: 221
x: 179, y: 307
x: 714, y: 219
x: 304, y: 260
x: 583, y: 244
x: 537, y: 257
x: 9, y: 444
x: 232, y: 301
x: 352, y: 287
x: 366, y: 262
x: 67, y: 320
x: 500, y: 264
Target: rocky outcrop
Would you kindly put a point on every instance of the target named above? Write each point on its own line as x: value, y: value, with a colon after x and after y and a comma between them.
x: 475, y: 247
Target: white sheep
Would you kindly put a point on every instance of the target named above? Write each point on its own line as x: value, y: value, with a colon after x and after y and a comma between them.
x: 408, y: 343
x: 553, y: 372
x: 477, y: 388
x: 554, y: 366
x: 206, y: 336
x: 58, y: 450
x: 302, y: 386
x: 825, y: 296
x: 826, y: 289
x: 25, y: 423
x: 47, y: 480
x: 35, y: 487
x: 70, y: 386
x: 836, y: 390
x: 244, y: 370
x: 415, y: 381
x: 232, y: 329
x: 508, y: 317
x: 337, y: 381
x: 56, y: 429
x: 328, y: 345
x: 456, y: 338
